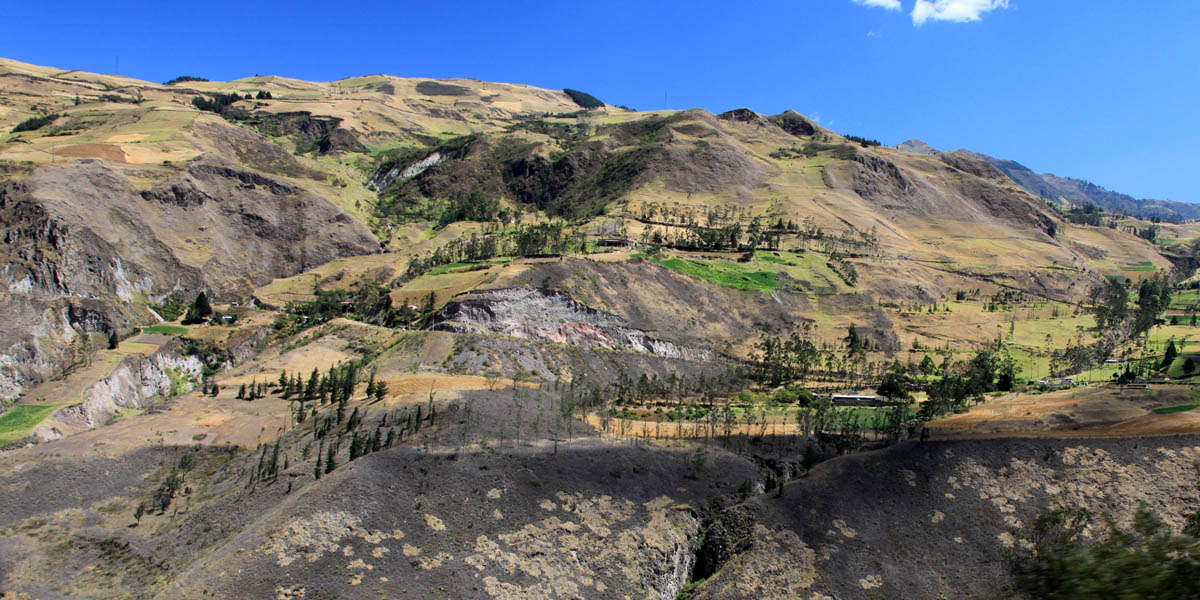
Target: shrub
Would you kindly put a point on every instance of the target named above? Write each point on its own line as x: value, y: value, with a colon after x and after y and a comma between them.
x: 1146, y: 560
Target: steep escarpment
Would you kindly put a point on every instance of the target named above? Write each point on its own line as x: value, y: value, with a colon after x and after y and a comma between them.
x: 86, y: 249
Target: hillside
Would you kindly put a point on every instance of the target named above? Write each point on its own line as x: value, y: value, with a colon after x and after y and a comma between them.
x: 452, y: 338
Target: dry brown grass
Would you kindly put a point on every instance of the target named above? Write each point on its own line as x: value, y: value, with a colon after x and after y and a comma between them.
x: 1099, y: 411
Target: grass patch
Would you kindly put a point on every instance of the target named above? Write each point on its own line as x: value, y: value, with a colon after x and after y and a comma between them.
x: 774, y: 257
x: 166, y: 329
x: 725, y: 274
x: 1183, y: 300
x: 1170, y: 410
x: 20, y: 420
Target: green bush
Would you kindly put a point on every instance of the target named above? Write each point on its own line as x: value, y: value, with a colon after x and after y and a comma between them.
x: 35, y: 123
x: 1145, y: 560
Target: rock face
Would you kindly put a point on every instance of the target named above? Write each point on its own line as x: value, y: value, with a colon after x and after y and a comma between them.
x: 553, y: 316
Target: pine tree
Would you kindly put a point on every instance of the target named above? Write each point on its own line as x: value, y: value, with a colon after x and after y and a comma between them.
x: 1170, y: 354
x: 330, y: 461
x: 314, y: 380
x: 242, y: 392
x: 113, y: 340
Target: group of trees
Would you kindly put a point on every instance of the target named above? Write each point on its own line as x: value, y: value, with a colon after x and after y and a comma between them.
x: 1117, y: 321
x: 221, y: 103
x: 731, y: 228
x: 988, y: 370
x: 369, y: 304
x: 1110, y: 305
x: 184, y: 79
x: 542, y: 239
x: 862, y: 141
x: 583, y: 99
x: 779, y: 361
x: 330, y: 434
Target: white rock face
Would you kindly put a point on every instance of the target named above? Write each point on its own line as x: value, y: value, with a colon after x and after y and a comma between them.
x: 553, y: 316
x: 382, y: 181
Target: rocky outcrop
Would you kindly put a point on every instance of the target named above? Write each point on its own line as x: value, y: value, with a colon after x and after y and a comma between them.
x: 133, y: 384
x: 39, y: 336
x: 795, y: 124
x: 741, y: 115
x: 553, y: 316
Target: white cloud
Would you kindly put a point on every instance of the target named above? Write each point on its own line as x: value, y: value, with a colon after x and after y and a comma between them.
x: 957, y: 11
x: 888, y: 4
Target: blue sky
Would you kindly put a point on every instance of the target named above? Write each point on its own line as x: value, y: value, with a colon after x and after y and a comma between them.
x: 1101, y: 89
